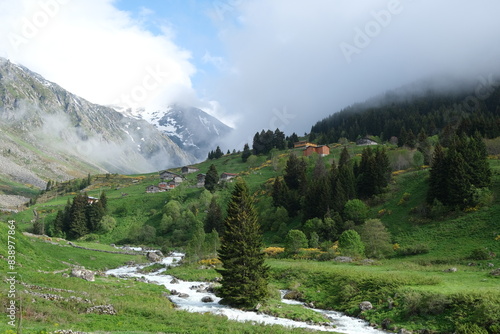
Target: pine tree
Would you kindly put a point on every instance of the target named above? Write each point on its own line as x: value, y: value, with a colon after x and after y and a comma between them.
x: 104, y: 202
x: 244, y: 275
x: 438, y: 181
x: 295, y: 173
x: 78, y: 219
x: 211, y: 179
x: 246, y: 153
x: 279, y: 193
x: 279, y: 140
x: 94, y: 213
x: 213, y: 220
x: 218, y: 153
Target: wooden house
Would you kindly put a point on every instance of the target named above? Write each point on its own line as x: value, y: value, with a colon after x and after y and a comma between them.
x: 152, y: 189
x: 322, y: 150
x: 200, y: 180
x: 189, y: 169
x: 167, y: 175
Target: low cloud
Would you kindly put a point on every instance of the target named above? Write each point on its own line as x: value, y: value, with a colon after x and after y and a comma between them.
x: 315, y: 58
x: 91, y: 48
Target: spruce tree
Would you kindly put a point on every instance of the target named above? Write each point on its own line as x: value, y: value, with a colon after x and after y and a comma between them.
x: 213, y: 220
x: 438, y: 181
x: 244, y: 275
x: 78, y: 220
x: 211, y: 179
x: 246, y: 153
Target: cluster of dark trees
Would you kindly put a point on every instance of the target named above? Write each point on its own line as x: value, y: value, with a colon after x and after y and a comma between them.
x: 324, y: 192
x: 265, y: 141
x: 460, y: 173
x: 392, y: 116
x: 79, y: 217
x: 215, y: 154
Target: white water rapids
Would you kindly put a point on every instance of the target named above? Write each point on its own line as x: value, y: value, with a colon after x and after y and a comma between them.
x: 341, y: 323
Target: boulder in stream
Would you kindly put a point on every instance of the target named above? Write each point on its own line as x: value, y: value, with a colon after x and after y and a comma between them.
x: 207, y: 299
x: 153, y: 257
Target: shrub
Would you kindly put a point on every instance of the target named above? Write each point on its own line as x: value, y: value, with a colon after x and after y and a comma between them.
x: 414, y: 250
x: 376, y: 238
x: 356, y: 211
x: 480, y: 254
x: 469, y: 328
x: 294, y: 240
x: 350, y: 244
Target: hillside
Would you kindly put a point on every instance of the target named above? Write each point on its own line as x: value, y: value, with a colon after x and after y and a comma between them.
x: 48, y: 133
x: 423, y: 105
x: 448, y: 240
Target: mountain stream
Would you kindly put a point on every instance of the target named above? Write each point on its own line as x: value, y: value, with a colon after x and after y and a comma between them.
x: 189, y: 297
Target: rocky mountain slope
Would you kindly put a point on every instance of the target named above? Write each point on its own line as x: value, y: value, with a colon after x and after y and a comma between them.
x: 47, y: 132
x: 194, y: 130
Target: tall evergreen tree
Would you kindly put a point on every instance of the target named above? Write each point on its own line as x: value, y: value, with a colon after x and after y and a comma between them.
x: 438, y: 181
x: 78, y: 220
x: 295, y: 173
x: 213, y: 220
x: 279, y: 193
x: 246, y: 153
x: 211, y: 179
x: 244, y: 275
x: 279, y: 139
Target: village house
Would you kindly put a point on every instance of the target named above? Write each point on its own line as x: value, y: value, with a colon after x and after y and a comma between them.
x: 189, y: 170
x: 322, y: 150
x: 91, y: 200
x: 365, y: 142
x: 227, y: 176
x: 152, y: 189
x: 200, y: 180
x: 169, y: 176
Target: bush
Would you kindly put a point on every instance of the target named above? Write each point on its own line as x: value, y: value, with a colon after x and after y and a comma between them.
x: 480, y: 254
x: 470, y: 329
x: 350, y: 244
x: 295, y: 239
x: 355, y: 210
x: 413, y: 250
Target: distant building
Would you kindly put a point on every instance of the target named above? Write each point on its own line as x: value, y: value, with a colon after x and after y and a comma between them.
x: 200, y: 180
x: 169, y: 176
x: 91, y: 200
x: 365, y: 142
x: 227, y: 176
x: 152, y: 189
x: 322, y: 150
x: 189, y: 169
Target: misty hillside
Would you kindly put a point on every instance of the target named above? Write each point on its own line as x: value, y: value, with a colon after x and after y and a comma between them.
x: 47, y: 133
x: 194, y: 130
x: 422, y: 105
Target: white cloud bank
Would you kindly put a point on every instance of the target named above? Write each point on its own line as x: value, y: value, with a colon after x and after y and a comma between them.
x: 94, y: 50
x: 294, y: 62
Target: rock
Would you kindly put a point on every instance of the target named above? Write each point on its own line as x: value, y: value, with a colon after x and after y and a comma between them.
x: 159, y: 253
x: 310, y: 304
x: 386, y: 323
x: 367, y: 262
x: 257, y: 307
x: 153, y: 257
x: 174, y: 281
x: 491, y: 265
x: 207, y: 299
x: 102, y: 309
x: 450, y: 270
x: 495, y: 272
x: 390, y: 303
x: 404, y: 331
x: 82, y: 273
x: 183, y: 295
x: 343, y: 259
x: 65, y: 275
x: 365, y: 306
x: 294, y: 295
x: 174, y: 292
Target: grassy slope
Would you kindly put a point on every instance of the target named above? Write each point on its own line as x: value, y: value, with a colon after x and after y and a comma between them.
x: 450, y: 241
x: 141, y: 307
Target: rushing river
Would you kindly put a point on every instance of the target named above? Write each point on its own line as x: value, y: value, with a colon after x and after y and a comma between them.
x: 189, y: 297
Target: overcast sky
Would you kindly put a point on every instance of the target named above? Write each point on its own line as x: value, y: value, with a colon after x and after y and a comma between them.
x: 254, y: 63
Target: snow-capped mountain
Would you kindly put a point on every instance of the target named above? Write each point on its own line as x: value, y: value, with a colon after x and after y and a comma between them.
x: 194, y: 130
x: 50, y: 133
